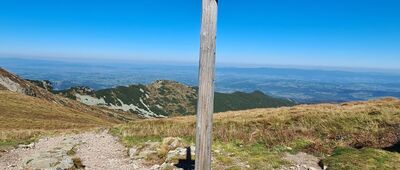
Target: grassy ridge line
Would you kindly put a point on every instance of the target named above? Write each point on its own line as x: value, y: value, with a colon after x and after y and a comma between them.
x: 319, y: 127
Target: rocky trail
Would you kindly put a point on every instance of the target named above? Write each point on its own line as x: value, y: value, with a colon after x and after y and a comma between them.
x: 102, y: 151
x: 91, y: 151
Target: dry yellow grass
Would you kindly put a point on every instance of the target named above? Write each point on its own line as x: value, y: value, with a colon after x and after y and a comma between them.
x: 24, y: 112
x: 24, y: 118
x: 313, y: 128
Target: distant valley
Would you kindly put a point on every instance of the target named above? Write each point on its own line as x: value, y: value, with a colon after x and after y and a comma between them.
x: 300, y: 85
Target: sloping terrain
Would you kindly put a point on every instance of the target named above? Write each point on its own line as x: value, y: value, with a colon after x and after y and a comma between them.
x: 167, y: 98
x: 13, y: 83
x: 27, y: 111
x: 30, y: 117
x: 44, y: 84
x: 2, y: 87
x: 39, y: 89
x: 262, y: 137
x: 24, y: 118
x: 374, y: 123
x: 243, y: 101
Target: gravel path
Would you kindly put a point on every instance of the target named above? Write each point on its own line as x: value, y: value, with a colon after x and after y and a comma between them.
x: 95, y: 151
x: 103, y: 151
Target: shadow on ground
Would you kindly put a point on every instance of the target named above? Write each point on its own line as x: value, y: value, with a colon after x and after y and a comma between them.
x: 394, y: 148
x: 188, y: 163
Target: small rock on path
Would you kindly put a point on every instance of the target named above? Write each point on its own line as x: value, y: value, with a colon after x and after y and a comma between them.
x: 302, y: 161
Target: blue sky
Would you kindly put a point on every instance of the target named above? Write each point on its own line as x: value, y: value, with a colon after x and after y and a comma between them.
x: 336, y: 33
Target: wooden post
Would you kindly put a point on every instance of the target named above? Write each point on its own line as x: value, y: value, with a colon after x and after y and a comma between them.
x: 205, y: 105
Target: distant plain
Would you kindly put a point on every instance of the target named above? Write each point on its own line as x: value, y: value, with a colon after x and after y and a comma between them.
x: 303, y: 85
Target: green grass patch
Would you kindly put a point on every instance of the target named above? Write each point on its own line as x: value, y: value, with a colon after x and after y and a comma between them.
x: 10, y: 140
x: 366, y: 158
x: 6, y: 144
x: 299, y: 144
x: 238, y: 156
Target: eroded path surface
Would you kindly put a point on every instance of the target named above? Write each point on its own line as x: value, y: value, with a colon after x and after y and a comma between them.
x: 103, y: 151
x: 91, y: 150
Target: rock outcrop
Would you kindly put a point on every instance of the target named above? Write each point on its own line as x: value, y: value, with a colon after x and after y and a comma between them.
x: 60, y: 157
x: 302, y: 161
x: 165, y: 154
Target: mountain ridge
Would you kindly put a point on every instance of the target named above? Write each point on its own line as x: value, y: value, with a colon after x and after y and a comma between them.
x: 164, y: 98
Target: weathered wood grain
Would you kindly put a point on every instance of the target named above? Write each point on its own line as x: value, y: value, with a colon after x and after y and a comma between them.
x: 206, y: 84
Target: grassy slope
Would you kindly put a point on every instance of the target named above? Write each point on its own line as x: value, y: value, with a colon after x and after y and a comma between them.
x: 316, y: 129
x: 242, y: 101
x: 366, y: 158
x: 22, y: 112
x: 23, y: 118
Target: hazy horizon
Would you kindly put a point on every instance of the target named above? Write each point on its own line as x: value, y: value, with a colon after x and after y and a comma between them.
x: 218, y: 64
x: 305, y: 85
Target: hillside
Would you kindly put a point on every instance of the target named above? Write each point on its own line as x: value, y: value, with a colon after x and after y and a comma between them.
x: 24, y: 118
x: 243, y: 101
x: 341, y: 136
x: 40, y: 90
x: 28, y: 111
x: 2, y: 87
x: 167, y: 98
